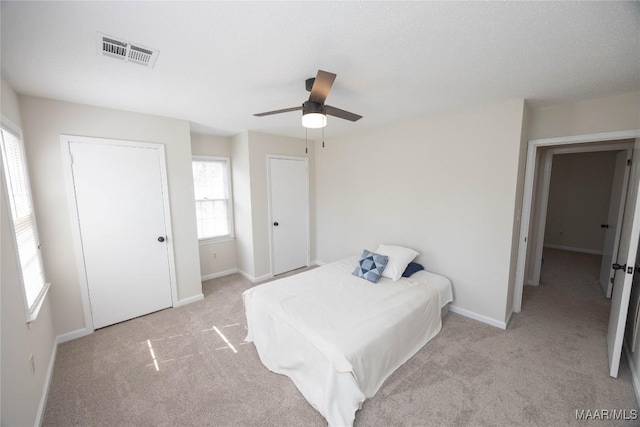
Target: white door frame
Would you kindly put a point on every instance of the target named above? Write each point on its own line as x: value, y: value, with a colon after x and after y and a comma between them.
x: 532, y: 152
x: 270, y: 215
x: 544, y: 198
x: 65, y: 141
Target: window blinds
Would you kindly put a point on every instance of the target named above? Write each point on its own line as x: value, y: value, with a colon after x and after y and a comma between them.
x: 212, y: 197
x: 18, y: 190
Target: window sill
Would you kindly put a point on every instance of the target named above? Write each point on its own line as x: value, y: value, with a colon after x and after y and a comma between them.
x: 33, y: 315
x: 212, y: 240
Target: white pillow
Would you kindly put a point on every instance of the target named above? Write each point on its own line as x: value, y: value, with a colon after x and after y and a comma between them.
x: 399, y: 258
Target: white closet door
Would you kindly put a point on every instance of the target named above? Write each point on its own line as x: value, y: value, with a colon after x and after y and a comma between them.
x: 289, y: 213
x: 614, y: 220
x: 626, y: 260
x: 120, y: 208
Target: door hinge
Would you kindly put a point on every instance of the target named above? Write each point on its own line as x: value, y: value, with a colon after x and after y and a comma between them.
x: 628, y: 162
x: 612, y: 280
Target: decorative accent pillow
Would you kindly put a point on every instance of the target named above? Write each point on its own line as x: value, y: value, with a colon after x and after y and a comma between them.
x: 370, y: 266
x: 413, y: 267
x: 399, y: 258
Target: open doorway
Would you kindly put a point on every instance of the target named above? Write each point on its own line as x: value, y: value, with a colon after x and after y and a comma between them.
x: 579, y: 204
x: 630, y: 233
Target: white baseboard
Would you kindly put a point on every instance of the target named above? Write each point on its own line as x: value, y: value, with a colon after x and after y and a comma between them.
x: 506, y: 323
x: 73, y: 335
x: 246, y: 276
x: 634, y: 374
x: 219, y: 274
x: 571, y: 249
x: 47, y: 384
x: 255, y: 279
x: 478, y: 317
x: 263, y: 277
x: 189, y: 300
x: 319, y: 263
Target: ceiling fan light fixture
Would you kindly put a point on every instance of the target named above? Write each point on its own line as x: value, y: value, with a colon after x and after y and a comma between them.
x: 314, y: 120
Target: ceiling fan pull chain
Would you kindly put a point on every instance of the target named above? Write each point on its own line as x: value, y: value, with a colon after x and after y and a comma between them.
x: 322, y: 137
x: 306, y: 142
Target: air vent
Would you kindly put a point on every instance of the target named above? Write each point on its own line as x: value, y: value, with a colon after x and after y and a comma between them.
x: 126, y: 51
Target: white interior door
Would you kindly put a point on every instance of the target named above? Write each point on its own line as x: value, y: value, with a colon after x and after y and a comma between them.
x: 626, y: 257
x: 614, y: 219
x: 120, y: 206
x: 289, y: 187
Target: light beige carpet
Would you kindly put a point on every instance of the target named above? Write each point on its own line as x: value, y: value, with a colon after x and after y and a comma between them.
x: 550, y: 362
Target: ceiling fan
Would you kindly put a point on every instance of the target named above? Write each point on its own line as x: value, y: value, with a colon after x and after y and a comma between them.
x: 314, y: 111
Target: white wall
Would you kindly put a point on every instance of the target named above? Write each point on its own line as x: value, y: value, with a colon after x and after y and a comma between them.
x: 261, y: 145
x: 242, y: 211
x: 609, y: 114
x: 215, y: 257
x: 44, y: 121
x: 615, y: 113
x: 579, y: 195
x: 22, y: 392
x: 517, y: 212
x: 445, y: 186
x: 249, y: 157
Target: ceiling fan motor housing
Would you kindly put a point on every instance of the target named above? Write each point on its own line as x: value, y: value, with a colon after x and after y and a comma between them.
x: 309, y: 107
x: 308, y: 84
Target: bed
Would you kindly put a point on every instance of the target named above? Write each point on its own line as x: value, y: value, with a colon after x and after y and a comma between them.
x: 337, y: 336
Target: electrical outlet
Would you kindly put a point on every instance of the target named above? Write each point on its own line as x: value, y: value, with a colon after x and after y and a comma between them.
x: 32, y: 363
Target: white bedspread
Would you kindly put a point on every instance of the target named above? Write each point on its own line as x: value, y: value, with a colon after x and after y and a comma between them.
x: 337, y: 336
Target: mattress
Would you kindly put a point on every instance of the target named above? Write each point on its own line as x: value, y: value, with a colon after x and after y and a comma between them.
x: 337, y: 336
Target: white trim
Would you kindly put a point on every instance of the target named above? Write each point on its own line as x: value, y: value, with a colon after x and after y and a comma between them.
x: 269, y: 213
x: 47, y: 385
x: 542, y: 217
x: 264, y: 277
x: 572, y: 249
x: 634, y: 374
x: 75, y: 233
x: 35, y: 310
x: 218, y: 274
x: 595, y: 147
x: 214, y: 240
x: 255, y: 279
x: 10, y: 125
x: 479, y: 317
x: 506, y: 323
x: 173, y: 280
x: 230, y: 224
x: 533, y: 145
x: 189, y: 300
x: 319, y: 263
x: 544, y: 197
x: 65, y: 141
x: 69, y: 336
x: 582, y: 139
x: 32, y: 312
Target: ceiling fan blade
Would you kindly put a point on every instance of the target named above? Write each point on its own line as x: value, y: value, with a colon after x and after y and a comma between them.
x: 336, y: 112
x: 321, y: 86
x: 285, y: 110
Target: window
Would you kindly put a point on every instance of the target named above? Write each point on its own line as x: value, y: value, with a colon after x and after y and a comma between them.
x: 24, y: 225
x: 213, y: 197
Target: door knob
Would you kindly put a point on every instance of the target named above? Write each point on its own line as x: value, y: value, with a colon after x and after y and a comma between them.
x: 617, y: 266
x: 604, y: 225
x: 160, y: 239
x: 275, y: 224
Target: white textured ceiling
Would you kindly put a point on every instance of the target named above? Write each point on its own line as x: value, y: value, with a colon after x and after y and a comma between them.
x: 220, y: 62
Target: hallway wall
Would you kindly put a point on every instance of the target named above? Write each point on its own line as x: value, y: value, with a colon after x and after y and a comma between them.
x: 579, y: 195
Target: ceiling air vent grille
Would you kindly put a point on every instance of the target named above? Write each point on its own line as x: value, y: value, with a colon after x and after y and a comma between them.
x: 126, y: 51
